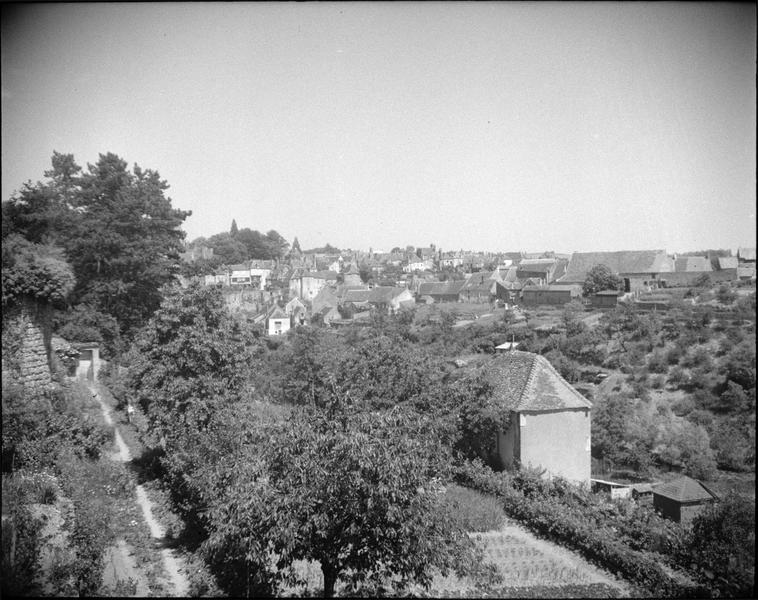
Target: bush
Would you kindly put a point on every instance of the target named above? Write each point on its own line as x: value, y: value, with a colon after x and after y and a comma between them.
x: 573, y: 520
x: 21, y: 537
x: 472, y: 510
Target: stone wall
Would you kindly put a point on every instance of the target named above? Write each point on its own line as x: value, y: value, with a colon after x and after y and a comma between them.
x: 24, y: 337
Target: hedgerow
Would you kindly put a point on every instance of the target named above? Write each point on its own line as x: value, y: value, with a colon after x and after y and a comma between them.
x: 564, y: 514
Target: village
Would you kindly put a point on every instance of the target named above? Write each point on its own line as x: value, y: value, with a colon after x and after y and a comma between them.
x: 338, y: 289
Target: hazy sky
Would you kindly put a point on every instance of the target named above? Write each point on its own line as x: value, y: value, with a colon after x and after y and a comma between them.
x: 492, y: 126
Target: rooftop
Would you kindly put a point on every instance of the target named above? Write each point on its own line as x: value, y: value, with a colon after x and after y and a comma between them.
x: 684, y: 489
x: 524, y: 381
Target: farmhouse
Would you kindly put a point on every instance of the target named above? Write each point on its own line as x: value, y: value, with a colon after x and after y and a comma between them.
x: 549, y: 424
x: 638, y: 269
x: 440, y: 291
x: 682, y: 499
x: 550, y: 294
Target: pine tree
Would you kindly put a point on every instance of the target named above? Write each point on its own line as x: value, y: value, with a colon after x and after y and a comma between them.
x: 234, y: 231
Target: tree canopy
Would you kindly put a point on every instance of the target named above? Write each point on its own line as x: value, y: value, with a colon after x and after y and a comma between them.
x: 119, y: 231
x: 600, y: 278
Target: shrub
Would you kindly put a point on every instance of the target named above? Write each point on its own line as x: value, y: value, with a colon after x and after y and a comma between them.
x: 573, y: 520
x: 472, y: 510
x: 21, y: 538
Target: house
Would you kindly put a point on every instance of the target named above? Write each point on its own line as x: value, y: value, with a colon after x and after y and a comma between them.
x: 638, y: 269
x: 390, y: 298
x: 418, y: 265
x: 307, y: 284
x: 538, y: 268
x: 326, y: 316
x: 605, y: 299
x: 549, y: 425
x: 479, y: 287
x: 353, y: 276
x: 555, y: 295
x: 277, y: 322
x: 440, y: 291
x: 508, y: 292
x: 682, y: 499
x: 325, y: 298
x: 296, y: 311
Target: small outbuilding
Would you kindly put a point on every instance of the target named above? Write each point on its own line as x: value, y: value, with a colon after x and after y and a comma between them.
x: 88, y: 363
x: 549, y: 421
x: 277, y: 322
x: 682, y: 499
x: 605, y: 299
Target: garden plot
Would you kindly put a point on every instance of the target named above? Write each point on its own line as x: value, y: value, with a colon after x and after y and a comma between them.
x: 526, y: 561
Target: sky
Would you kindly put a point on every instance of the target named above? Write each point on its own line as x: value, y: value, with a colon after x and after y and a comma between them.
x: 497, y: 126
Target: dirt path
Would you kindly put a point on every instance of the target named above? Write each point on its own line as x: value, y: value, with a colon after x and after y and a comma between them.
x: 119, y: 553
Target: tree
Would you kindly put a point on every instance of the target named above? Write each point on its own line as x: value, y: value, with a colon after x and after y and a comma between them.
x: 356, y: 492
x: 600, y: 278
x: 229, y: 250
x: 234, y: 231
x: 120, y: 233
x: 277, y: 245
x: 189, y: 360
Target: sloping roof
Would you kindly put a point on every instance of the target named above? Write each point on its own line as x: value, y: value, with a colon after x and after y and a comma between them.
x: 625, y: 261
x: 524, y: 381
x: 440, y: 288
x: 746, y: 253
x: 684, y: 489
x: 537, y: 265
x: 357, y: 296
x: 384, y: 293
x: 727, y: 262
x: 692, y: 263
x: 574, y: 289
x: 277, y: 313
x: 239, y: 267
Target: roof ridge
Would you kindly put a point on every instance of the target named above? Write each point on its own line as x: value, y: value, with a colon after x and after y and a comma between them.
x: 529, y: 385
x: 551, y: 368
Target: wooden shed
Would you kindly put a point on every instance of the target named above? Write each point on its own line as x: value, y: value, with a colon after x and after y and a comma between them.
x: 682, y: 499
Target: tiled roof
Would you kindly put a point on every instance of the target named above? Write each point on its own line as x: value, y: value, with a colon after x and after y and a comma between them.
x: 692, y: 263
x: 625, y: 261
x: 746, y: 253
x: 357, y: 295
x: 684, y: 489
x: 727, y: 262
x: 277, y: 313
x: 524, y: 381
x: 240, y: 267
x: 440, y: 288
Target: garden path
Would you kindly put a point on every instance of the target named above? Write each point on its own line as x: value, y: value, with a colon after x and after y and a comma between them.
x: 119, y: 554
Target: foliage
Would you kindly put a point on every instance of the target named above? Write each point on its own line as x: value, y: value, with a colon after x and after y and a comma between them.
x: 722, y: 546
x: 600, y: 278
x: 36, y: 271
x: 120, y: 233
x: 21, y: 542
x: 353, y: 491
x: 473, y: 510
x: 567, y: 515
x: 189, y: 359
